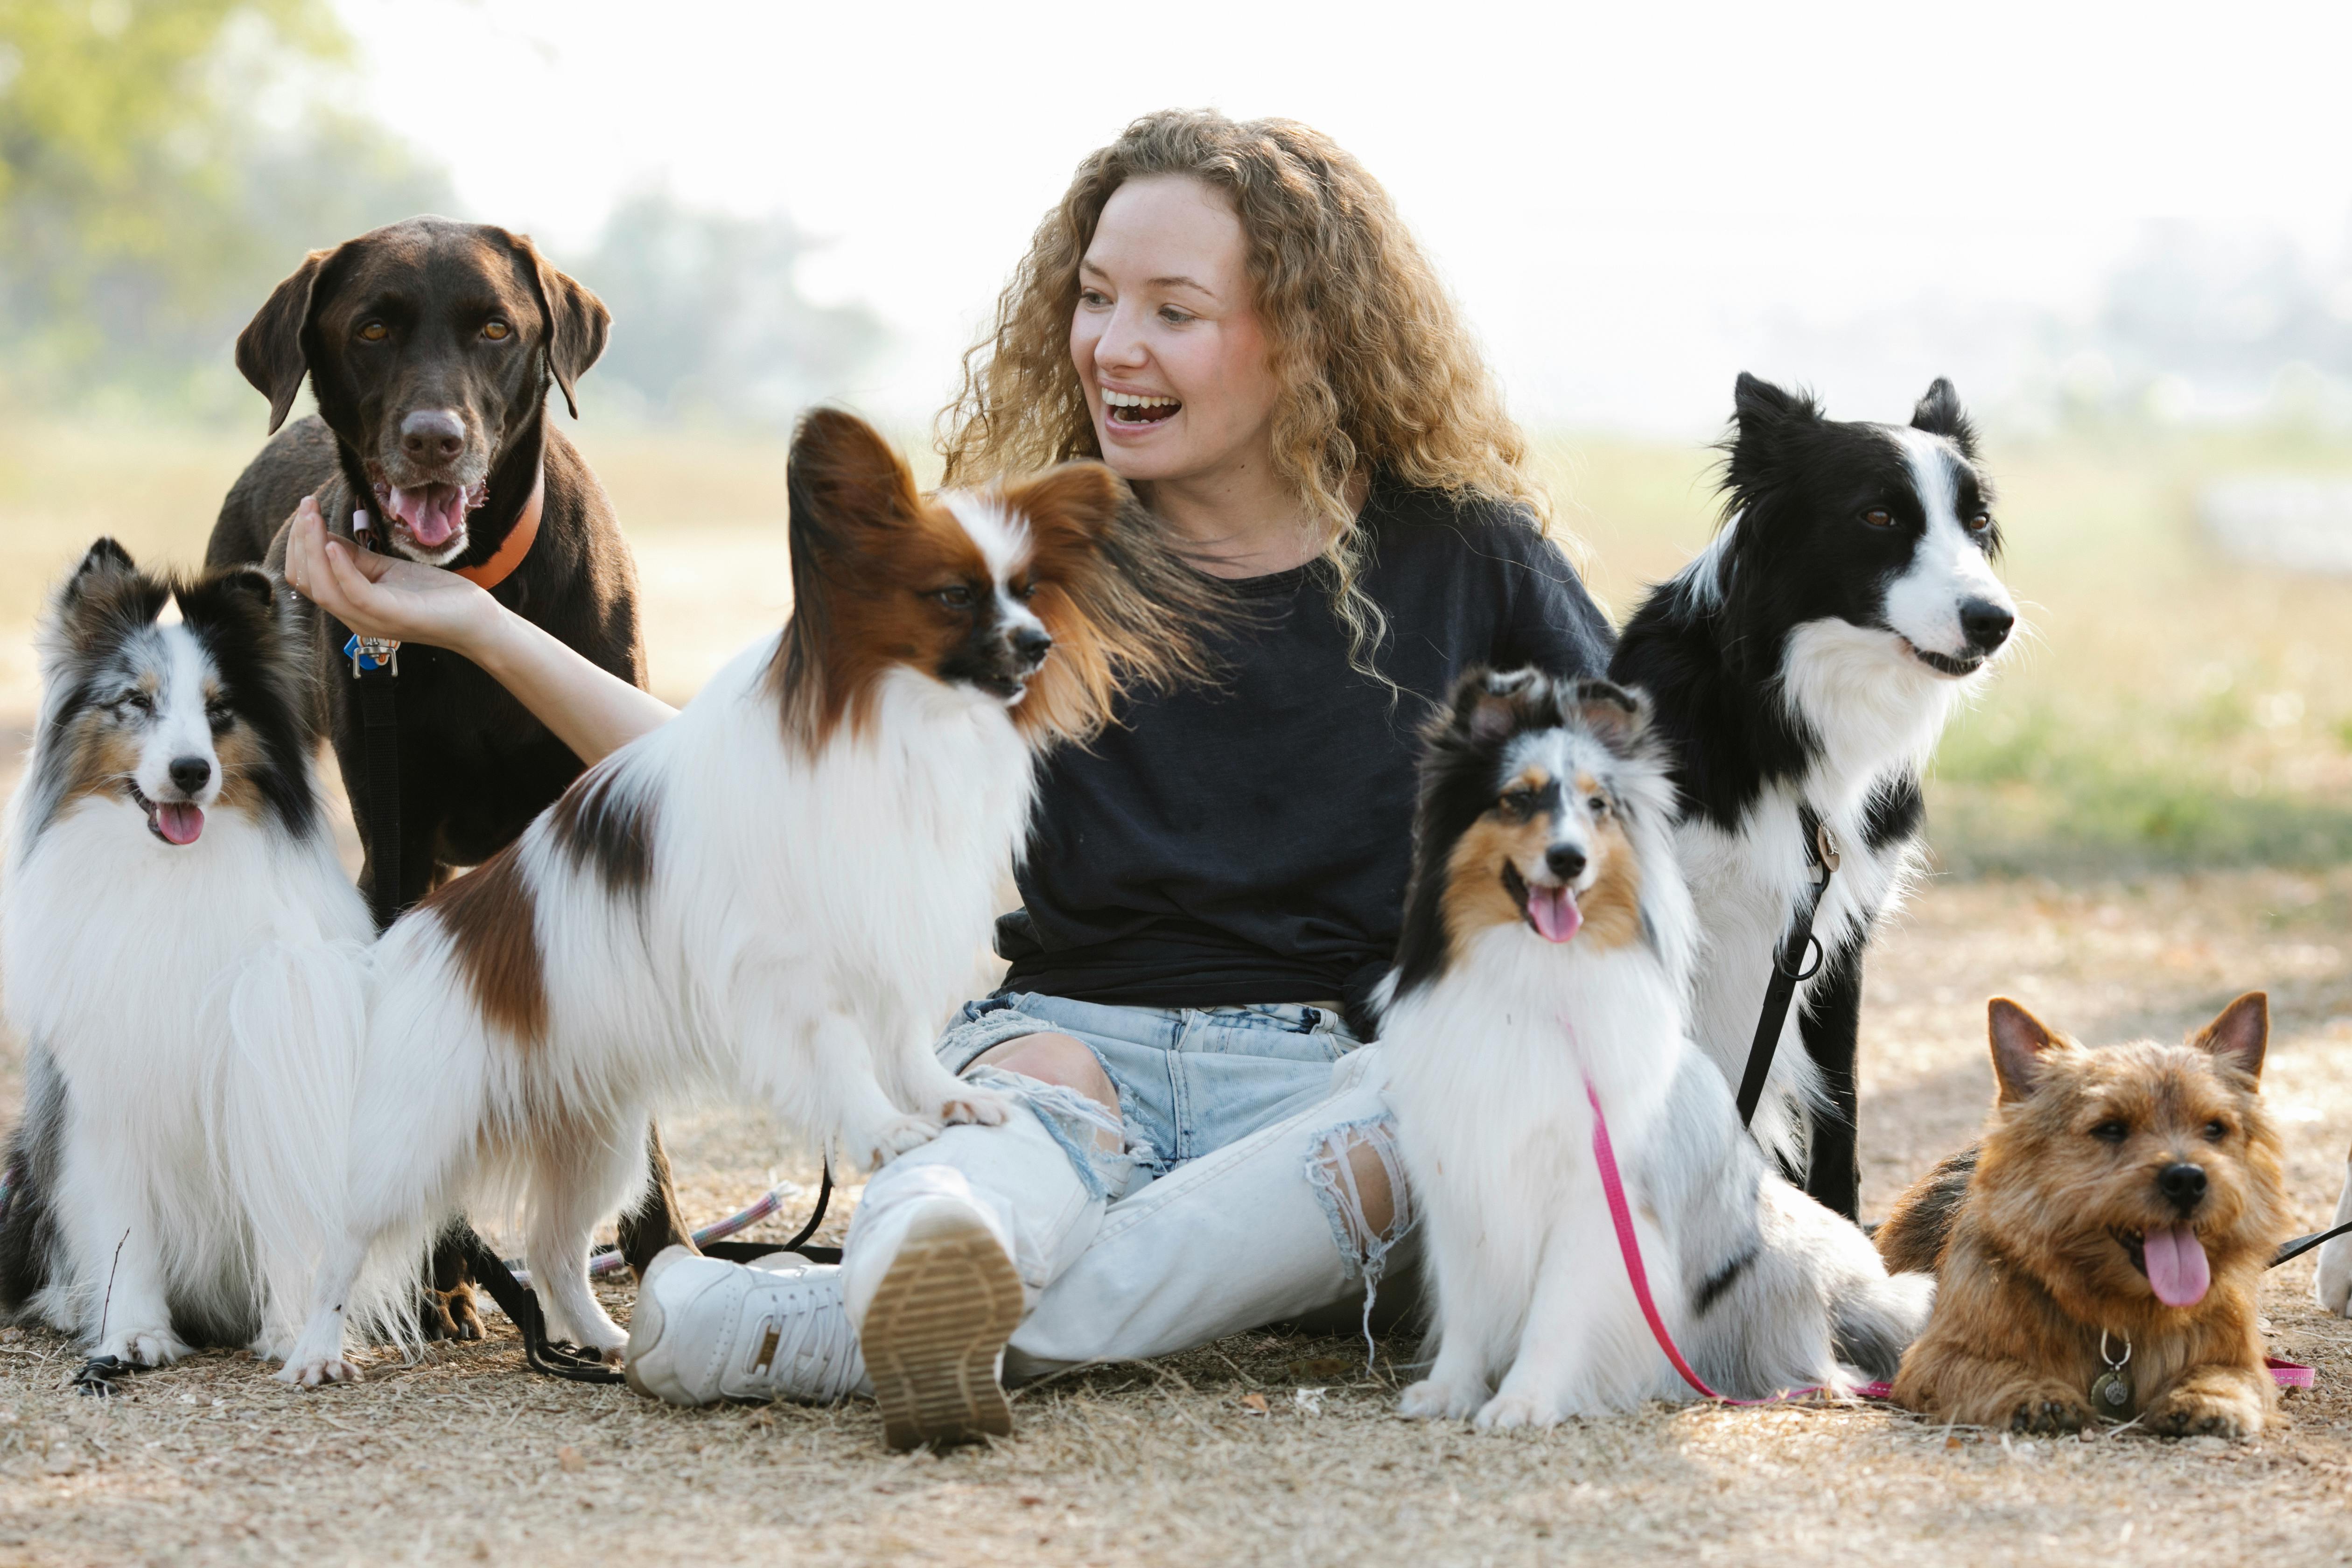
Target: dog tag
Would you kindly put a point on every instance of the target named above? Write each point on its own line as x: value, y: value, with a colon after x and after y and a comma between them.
x: 2111, y: 1392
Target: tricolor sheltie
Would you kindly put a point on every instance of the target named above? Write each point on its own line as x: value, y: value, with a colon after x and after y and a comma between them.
x: 1805, y: 663
x: 1548, y: 943
x: 182, y: 951
x: 778, y: 893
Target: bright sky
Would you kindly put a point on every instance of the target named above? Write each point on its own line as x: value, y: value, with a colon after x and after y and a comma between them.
x: 1633, y: 202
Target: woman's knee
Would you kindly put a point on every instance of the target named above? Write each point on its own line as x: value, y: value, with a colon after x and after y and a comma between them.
x: 1054, y: 1059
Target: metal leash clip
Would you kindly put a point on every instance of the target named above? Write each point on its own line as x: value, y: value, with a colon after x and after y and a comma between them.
x: 371, y: 653
x: 1826, y: 848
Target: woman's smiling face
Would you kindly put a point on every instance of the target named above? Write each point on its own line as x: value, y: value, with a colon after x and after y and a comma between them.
x: 1167, y: 338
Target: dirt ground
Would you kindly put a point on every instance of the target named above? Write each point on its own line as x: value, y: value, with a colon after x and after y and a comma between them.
x: 1273, y: 1447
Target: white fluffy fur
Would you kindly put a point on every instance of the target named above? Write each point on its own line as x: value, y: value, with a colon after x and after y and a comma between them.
x: 808, y: 926
x: 195, y: 1015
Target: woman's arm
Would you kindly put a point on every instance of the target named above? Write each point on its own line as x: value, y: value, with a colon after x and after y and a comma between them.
x: 590, y: 709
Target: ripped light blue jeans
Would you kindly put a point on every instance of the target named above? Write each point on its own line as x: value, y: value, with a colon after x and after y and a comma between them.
x: 1224, y: 1200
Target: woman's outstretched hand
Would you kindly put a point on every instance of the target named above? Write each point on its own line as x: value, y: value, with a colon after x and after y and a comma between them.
x: 379, y: 596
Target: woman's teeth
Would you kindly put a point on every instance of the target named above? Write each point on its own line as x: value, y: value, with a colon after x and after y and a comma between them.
x: 1131, y: 408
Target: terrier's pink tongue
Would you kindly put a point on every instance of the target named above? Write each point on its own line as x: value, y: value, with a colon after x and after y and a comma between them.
x: 2175, y: 1266
x: 431, y: 511
x: 181, y: 822
x: 1553, y: 913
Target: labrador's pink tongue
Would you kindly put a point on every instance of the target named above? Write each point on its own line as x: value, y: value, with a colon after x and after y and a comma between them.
x: 2175, y: 1266
x: 1554, y: 913
x: 432, y: 512
x: 181, y: 821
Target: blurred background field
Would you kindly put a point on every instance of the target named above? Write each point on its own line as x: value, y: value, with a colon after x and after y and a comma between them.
x: 2172, y: 708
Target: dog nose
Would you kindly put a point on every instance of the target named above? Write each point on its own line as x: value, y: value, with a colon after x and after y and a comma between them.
x: 1030, y: 645
x: 433, y: 435
x: 1565, y: 861
x: 2183, y: 1183
x: 1986, y: 624
x: 191, y: 774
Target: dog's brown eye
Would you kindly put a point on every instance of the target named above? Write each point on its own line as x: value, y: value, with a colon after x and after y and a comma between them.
x: 1980, y: 522
x: 1600, y: 804
x: 1879, y: 516
x: 2215, y: 1132
x: 1519, y: 802
x: 374, y: 332
x: 957, y: 596
x: 496, y: 331
x: 1024, y: 592
x: 2111, y: 1132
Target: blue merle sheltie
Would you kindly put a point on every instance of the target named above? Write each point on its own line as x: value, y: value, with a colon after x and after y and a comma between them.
x: 180, y: 950
x: 1802, y: 668
x: 1547, y: 947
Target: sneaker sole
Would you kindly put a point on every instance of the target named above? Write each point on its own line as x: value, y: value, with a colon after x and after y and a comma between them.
x: 932, y: 1334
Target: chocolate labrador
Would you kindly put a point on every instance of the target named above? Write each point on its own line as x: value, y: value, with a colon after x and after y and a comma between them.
x: 430, y: 345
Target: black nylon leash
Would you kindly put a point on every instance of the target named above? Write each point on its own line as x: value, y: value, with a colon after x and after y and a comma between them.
x: 1789, y: 965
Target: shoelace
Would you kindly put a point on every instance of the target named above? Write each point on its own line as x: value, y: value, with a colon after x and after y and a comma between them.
x: 806, y: 1347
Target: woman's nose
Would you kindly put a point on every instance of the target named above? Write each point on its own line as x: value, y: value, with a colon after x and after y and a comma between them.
x: 1121, y: 345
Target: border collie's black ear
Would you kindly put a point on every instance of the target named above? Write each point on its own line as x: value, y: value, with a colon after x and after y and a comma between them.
x: 2241, y: 1034
x: 577, y: 322
x: 269, y: 350
x: 1757, y: 405
x: 1611, y: 712
x: 2019, y: 1040
x: 1938, y: 413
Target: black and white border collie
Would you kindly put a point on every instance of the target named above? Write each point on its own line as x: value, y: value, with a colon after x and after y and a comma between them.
x: 181, y: 949
x: 1548, y: 946
x: 776, y: 894
x: 1807, y: 661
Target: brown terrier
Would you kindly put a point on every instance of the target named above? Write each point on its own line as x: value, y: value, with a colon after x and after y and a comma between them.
x: 2096, y: 1255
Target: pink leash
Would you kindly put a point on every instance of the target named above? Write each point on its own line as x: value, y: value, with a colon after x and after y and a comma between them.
x: 2289, y: 1374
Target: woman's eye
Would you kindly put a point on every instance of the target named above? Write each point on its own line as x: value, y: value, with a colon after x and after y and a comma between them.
x: 2111, y: 1132
x: 373, y: 333
x: 1879, y: 516
x: 496, y: 331
x: 957, y: 597
x: 1093, y: 297
x: 1174, y: 317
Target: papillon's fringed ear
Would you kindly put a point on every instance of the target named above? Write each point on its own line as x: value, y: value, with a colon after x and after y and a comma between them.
x: 1938, y: 413
x: 1125, y: 604
x: 2241, y: 1034
x: 1612, y: 711
x: 841, y: 480
x: 2018, y: 1043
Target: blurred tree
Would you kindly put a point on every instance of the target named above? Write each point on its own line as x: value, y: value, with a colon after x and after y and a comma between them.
x: 708, y: 321
x: 163, y: 162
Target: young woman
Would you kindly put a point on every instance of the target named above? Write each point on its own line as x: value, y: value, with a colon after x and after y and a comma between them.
x: 1232, y: 317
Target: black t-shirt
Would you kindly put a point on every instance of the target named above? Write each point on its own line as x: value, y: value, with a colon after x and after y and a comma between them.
x: 1249, y: 841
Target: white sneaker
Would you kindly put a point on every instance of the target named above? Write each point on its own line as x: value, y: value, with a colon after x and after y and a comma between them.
x: 934, y: 1329
x: 705, y: 1329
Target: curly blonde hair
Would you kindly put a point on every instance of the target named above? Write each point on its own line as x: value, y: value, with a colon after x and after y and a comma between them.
x: 1376, y: 369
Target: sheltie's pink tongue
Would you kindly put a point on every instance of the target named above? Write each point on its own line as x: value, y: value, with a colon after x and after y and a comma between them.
x: 180, y: 822
x: 1553, y: 913
x: 431, y: 511
x: 2175, y: 1266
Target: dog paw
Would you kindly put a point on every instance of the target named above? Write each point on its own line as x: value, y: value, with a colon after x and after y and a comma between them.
x: 976, y: 1107
x: 144, y: 1347
x: 894, y: 1137
x: 2053, y: 1415
x: 449, y: 1314
x: 1506, y: 1412
x: 2187, y: 1413
x: 1430, y: 1400
x: 317, y: 1372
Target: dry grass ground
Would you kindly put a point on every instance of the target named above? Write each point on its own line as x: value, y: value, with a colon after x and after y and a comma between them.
x: 1277, y: 1447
